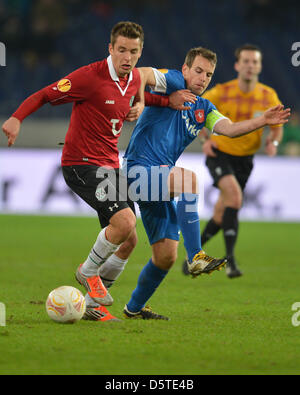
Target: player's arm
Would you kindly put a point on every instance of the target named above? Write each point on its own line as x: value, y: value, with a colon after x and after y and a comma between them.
x: 276, y: 132
x: 156, y: 81
x: 139, y: 103
x: 273, y: 140
x: 11, y: 127
x: 77, y: 86
x: 208, y: 144
x: 273, y: 116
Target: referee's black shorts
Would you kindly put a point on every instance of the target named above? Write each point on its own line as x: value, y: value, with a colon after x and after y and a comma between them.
x: 224, y: 164
x: 105, y: 190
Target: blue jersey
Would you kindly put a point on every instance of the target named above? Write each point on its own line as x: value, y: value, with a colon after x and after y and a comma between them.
x: 161, y: 134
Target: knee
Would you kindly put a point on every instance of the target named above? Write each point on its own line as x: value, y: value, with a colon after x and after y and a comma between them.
x: 123, y: 225
x: 165, y: 261
x: 236, y: 201
x: 233, y: 199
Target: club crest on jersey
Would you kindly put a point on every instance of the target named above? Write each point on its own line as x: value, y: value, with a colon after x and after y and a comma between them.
x: 199, y: 115
x: 100, y: 194
x: 64, y: 85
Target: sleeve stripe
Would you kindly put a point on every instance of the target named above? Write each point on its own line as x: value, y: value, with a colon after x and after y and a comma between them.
x: 161, y: 82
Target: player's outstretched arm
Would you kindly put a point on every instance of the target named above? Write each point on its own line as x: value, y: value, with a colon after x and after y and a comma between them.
x: 11, y: 127
x: 273, y: 116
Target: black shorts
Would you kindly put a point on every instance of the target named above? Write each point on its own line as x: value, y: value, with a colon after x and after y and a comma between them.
x: 224, y: 164
x: 102, y: 189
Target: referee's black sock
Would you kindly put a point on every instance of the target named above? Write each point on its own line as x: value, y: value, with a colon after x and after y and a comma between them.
x: 210, y: 230
x: 230, y: 227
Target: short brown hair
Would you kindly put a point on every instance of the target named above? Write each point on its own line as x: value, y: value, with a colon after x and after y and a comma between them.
x: 127, y: 29
x: 246, y: 47
x: 200, y: 51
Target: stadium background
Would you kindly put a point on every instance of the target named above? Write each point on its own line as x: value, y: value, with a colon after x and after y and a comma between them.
x: 47, y: 39
x: 217, y: 325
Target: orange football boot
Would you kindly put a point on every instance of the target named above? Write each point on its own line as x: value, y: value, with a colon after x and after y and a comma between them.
x: 95, y: 288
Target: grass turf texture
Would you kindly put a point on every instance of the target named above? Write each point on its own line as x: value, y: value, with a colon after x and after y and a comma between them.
x: 218, y: 325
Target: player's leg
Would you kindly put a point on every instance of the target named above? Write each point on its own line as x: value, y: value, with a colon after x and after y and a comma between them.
x: 164, y: 253
x: 226, y: 214
x: 113, y: 267
x: 218, y: 167
x: 160, y: 222
x: 215, y: 223
x: 109, y: 272
x: 184, y: 182
x: 119, y: 221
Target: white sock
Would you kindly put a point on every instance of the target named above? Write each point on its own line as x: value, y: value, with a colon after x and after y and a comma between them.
x: 111, y: 270
x: 100, y: 252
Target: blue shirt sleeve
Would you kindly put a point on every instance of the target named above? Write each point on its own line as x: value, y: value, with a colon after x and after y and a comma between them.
x: 175, y: 81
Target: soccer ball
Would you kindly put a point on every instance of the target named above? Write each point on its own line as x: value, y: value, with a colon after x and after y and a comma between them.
x: 65, y: 304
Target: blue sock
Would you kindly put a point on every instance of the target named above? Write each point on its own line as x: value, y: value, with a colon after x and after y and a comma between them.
x: 188, y: 221
x: 149, y: 279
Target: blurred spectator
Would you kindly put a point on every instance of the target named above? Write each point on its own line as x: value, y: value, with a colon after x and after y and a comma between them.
x: 102, y: 8
x: 19, y: 7
x: 275, y: 13
x: 51, y: 37
x: 48, y: 19
x: 12, y: 33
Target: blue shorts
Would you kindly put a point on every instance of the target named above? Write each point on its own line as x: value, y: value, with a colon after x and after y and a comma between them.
x: 160, y: 220
x: 148, y: 187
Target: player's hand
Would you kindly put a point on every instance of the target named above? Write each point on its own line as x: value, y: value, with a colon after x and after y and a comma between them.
x: 135, y: 111
x: 178, y: 98
x: 277, y: 115
x: 11, y: 129
x: 208, y: 146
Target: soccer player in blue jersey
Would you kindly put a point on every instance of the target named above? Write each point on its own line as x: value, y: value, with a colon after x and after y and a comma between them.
x: 159, y: 138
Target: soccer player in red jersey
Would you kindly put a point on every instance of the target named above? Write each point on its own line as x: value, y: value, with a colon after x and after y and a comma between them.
x: 105, y: 94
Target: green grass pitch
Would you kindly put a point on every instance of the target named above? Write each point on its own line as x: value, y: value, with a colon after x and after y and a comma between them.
x: 218, y: 325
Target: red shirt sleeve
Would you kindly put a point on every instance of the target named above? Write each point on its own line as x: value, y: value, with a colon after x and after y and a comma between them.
x: 30, y: 105
x: 76, y: 86
x: 152, y: 99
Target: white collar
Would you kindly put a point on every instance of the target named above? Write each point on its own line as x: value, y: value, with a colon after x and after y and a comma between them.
x: 115, y: 77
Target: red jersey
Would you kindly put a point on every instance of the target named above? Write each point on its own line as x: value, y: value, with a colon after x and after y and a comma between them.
x: 101, y: 104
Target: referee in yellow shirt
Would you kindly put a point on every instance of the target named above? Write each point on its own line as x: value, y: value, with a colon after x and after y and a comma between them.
x: 230, y: 161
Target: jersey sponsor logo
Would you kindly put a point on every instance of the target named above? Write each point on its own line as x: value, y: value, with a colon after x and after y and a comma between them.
x: 114, y: 124
x: 199, y: 115
x: 64, y: 85
x: 110, y: 102
x: 190, y: 125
